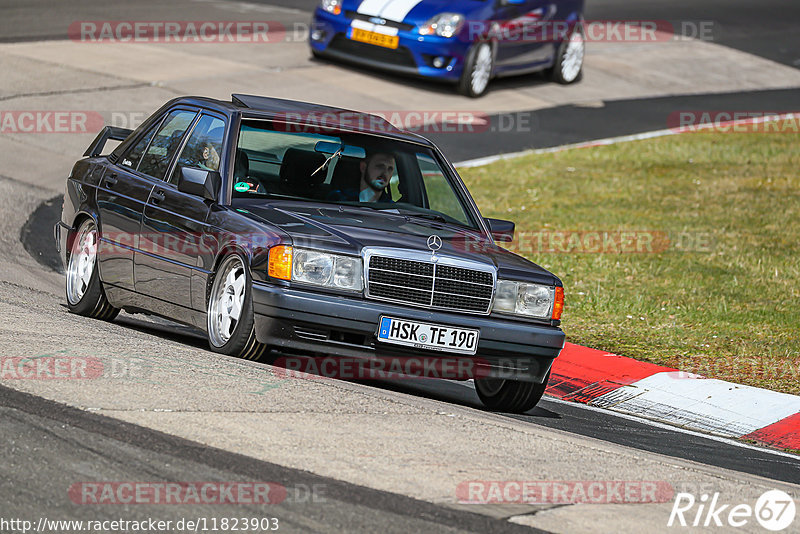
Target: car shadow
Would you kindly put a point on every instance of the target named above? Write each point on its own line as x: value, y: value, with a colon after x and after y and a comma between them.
x: 450, y: 391
x: 521, y: 81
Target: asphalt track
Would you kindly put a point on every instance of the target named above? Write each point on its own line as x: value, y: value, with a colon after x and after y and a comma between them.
x: 766, y: 28
x: 60, y: 440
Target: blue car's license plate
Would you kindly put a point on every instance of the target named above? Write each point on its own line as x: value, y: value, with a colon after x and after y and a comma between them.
x: 428, y: 336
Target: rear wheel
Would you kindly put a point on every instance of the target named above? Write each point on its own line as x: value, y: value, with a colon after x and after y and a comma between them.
x: 478, y: 68
x: 231, y: 327
x: 568, y: 67
x: 84, y: 290
x: 511, y: 396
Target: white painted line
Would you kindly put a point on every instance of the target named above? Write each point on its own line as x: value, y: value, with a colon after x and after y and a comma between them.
x: 661, y: 425
x: 704, y: 404
x: 667, y: 426
x: 478, y: 162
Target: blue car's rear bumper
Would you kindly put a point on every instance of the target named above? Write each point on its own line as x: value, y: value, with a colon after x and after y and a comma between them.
x: 414, y: 55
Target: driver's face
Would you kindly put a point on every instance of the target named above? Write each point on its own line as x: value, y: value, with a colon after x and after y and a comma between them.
x: 378, y: 171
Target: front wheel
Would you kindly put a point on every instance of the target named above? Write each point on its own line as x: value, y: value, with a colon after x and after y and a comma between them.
x: 510, y: 396
x: 478, y: 68
x: 231, y: 328
x: 84, y: 290
x: 568, y: 67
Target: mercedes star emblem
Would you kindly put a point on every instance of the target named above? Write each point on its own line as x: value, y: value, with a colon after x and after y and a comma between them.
x: 434, y: 243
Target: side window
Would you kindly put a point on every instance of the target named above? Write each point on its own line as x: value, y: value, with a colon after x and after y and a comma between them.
x: 166, y: 143
x: 134, y: 155
x: 441, y: 196
x: 204, y: 147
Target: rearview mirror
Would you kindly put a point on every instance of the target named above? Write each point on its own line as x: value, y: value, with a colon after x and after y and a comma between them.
x: 200, y: 183
x: 349, y: 151
x: 502, y: 231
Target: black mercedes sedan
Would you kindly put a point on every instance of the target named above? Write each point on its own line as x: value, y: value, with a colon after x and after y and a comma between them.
x: 282, y: 227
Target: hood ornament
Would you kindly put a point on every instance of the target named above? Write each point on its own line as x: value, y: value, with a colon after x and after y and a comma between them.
x: 434, y: 244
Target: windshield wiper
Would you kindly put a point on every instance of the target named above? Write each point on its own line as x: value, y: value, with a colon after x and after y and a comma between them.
x: 428, y: 216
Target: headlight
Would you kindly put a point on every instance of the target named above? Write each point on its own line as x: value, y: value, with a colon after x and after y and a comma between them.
x: 443, y: 25
x: 520, y: 298
x: 327, y: 270
x: 332, y: 6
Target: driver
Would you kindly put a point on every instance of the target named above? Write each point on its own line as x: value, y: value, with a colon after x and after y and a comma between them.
x: 376, y: 171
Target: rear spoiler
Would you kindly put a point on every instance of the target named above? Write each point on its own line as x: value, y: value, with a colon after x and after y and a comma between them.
x: 109, y: 132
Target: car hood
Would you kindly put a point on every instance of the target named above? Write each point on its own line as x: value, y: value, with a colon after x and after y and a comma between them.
x: 348, y: 230
x: 415, y: 12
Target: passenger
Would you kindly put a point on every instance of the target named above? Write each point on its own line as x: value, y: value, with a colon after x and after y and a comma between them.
x: 376, y: 172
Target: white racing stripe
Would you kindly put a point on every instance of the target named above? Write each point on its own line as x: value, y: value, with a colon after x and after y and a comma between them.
x: 373, y: 8
x: 398, y: 9
x: 395, y: 10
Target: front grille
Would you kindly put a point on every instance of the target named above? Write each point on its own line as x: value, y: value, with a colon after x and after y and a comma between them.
x: 400, y: 56
x: 429, y: 284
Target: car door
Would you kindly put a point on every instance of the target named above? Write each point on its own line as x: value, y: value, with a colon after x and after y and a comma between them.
x: 175, y: 222
x: 121, y: 195
x: 525, y: 33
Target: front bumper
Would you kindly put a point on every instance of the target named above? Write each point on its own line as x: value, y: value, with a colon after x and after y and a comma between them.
x: 413, y: 56
x: 317, y: 323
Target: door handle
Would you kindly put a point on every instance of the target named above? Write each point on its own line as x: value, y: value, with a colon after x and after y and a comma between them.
x: 111, y: 180
x: 157, y: 197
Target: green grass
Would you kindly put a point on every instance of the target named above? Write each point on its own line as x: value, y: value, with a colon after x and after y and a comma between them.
x: 719, y: 293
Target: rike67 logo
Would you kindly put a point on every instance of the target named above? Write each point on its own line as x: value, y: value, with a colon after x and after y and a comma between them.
x: 774, y: 510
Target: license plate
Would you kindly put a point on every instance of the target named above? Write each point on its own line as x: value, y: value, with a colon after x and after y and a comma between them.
x: 428, y: 336
x: 378, y: 39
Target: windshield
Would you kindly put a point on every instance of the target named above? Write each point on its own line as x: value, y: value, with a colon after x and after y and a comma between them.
x: 345, y: 169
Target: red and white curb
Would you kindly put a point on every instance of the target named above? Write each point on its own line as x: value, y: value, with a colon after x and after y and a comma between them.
x: 625, y: 385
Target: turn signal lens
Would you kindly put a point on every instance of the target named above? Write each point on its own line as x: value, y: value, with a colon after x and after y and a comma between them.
x: 280, y: 262
x: 558, y: 305
x: 332, y: 6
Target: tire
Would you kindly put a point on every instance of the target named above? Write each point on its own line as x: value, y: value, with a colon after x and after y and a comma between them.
x: 478, y: 69
x: 510, y: 396
x: 230, y: 322
x: 84, y: 291
x: 568, y: 67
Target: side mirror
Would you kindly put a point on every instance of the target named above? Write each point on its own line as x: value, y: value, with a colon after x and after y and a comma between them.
x: 502, y: 231
x: 199, y: 182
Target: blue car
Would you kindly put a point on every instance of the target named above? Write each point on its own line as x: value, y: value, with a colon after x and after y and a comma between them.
x: 466, y: 42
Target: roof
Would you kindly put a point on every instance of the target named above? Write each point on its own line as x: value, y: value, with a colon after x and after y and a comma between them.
x: 325, y: 116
